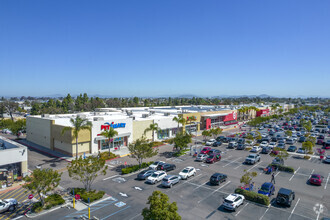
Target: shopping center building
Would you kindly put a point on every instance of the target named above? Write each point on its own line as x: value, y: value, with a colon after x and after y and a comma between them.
x: 130, y: 123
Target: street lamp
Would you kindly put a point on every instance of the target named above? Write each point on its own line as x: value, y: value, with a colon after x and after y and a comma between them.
x: 195, y: 123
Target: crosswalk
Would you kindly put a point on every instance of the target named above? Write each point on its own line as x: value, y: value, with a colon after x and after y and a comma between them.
x: 21, y: 195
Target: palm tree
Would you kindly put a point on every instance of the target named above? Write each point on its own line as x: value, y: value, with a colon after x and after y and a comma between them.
x: 78, y: 124
x: 109, y: 134
x: 253, y: 108
x: 180, y: 120
x: 152, y: 127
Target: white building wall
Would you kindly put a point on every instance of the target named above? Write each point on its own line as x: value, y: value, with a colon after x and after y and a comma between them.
x: 96, y: 129
x: 166, y: 123
x: 13, y: 154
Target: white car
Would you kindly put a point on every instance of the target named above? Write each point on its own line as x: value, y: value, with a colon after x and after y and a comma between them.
x: 233, y: 201
x: 155, y: 164
x: 272, y: 144
x: 210, y: 142
x: 264, y: 144
x: 8, y: 205
x: 156, y: 177
x: 201, y: 157
x: 255, y: 149
x: 327, y: 159
x: 187, y: 172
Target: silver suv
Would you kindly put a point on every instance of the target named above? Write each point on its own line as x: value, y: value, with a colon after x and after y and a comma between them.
x: 170, y: 180
x: 8, y: 205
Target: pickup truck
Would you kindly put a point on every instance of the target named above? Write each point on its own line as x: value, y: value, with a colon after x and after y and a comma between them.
x: 252, y: 159
x: 8, y: 205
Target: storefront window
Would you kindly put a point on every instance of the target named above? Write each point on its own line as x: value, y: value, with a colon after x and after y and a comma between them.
x: 117, y: 142
x: 162, y: 134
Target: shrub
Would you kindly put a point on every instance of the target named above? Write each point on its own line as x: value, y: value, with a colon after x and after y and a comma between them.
x: 248, y: 148
x: 253, y: 196
x: 283, y: 168
x: 180, y: 153
x: 37, y: 207
x: 92, y: 195
x: 54, y: 200
x: 134, y: 168
x: 157, y: 143
x: 310, y: 152
x: 307, y: 157
x: 105, y: 155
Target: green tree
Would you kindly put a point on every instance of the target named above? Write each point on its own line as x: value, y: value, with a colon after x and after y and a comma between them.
x: 153, y: 128
x: 42, y: 181
x: 86, y: 170
x: 17, y: 127
x: 180, y: 120
x: 282, y: 154
x: 308, y: 126
x: 206, y: 133
x: 181, y: 141
x: 79, y: 124
x: 247, y: 178
x: 110, y: 133
x: 160, y: 208
x: 215, y: 132
x: 288, y: 133
x: 307, y: 146
x: 141, y: 150
x: 10, y: 107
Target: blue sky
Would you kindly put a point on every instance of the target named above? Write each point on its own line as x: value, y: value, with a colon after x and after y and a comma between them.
x: 166, y: 47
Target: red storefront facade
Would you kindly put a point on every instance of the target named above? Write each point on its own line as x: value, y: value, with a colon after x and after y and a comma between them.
x: 262, y: 112
x: 217, y: 120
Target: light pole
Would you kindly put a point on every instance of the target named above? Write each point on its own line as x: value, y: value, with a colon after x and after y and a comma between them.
x: 195, y: 123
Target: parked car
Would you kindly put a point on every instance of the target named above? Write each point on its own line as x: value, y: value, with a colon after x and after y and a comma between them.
x: 217, y: 144
x: 289, y: 141
x: 187, y: 172
x: 302, y: 139
x: 267, y: 189
x: 278, y: 161
x: 285, y: 197
x: 8, y: 205
x: 241, y: 147
x: 214, y: 151
x: 281, y: 145
x: 316, y: 179
x: 155, y: 164
x: 166, y: 167
x: 252, y: 159
x: 320, y: 141
x: 201, y: 157
x: 210, y: 142
x: 241, y: 141
x: 264, y: 144
x: 326, y: 159
x: 144, y: 174
x: 326, y: 145
x: 170, y: 180
x: 301, y: 151
x: 255, y: 149
x: 218, y: 178
x: 233, y: 201
x: 265, y: 150
x: 272, y: 144
x: 213, y: 158
x: 232, y: 144
x: 156, y: 177
x: 205, y: 150
x: 292, y: 148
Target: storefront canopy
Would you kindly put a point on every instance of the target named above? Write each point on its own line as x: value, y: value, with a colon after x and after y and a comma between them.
x: 99, y: 138
x: 215, y: 115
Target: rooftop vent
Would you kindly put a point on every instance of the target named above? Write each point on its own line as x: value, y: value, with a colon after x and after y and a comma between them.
x: 145, y: 115
x: 98, y: 119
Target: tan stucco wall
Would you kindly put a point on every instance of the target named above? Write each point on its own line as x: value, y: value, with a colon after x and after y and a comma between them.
x: 63, y: 147
x: 196, y: 114
x: 38, y: 130
x: 139, y: 127
x: 24, y: 167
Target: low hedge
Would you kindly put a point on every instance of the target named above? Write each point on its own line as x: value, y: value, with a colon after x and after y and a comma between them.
x: 283, y: 168
x: 307, y: 157
x: 53, y: 200
x: 93, y: 195
x: 253, y: 196
x: 180, y: 153
x: 157, y: 143
x: 248, y: 148
x: 134, y: 168
x: 105, y: 155
x: 37, y: 207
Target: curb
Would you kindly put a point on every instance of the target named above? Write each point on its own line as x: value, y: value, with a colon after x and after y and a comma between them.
x: 45, y: 152
x: 48, y: 211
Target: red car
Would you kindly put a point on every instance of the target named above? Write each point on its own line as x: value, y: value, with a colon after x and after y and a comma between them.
x: 275, y: 152
x: 205, y: 150
x: 320, y: 141
x: 213, y: 158
x: 316, y: 179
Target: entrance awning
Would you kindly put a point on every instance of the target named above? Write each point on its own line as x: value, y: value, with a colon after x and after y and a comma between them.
x: 215, y: 115
x: 99, y: 138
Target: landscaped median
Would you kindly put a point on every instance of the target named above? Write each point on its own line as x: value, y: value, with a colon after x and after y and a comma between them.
x: 50, y: 202
x: 135, y: 168
x: 283, y: 168
x: 253, y: 196
x: 93, y: 195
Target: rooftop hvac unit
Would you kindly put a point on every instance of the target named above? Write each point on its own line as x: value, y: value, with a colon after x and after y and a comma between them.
x: 145, y: 115
x: 167, y: 114
x: 98, y: 119
x: 152, y: 112
x: 129, y: 113
x: 133, y: 117
x: 45, y: 115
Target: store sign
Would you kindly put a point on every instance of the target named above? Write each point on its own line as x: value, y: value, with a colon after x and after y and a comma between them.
x: 107, y: 125
x: 234, y: 115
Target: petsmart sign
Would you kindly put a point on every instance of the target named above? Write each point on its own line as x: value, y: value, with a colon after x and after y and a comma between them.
x: 107, y: 125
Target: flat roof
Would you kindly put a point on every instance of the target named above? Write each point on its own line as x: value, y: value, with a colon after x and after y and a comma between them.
x: 216, y: 114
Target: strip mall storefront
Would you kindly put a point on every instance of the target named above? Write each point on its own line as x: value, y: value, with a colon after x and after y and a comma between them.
x: 219, y: 119
x: 262, y: 113
x: 124, y: 137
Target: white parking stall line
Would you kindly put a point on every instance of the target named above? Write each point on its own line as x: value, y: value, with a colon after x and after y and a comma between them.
x: 264, y: 213
x: 254, y: 166
x: 302, y: 174
x: 325, y: 187
x: 238, y: 166
x: 214, y: 191
x: 294, y: 174
x: 231, y: 162
x: 294, y: 208
x: 201, y: 185
x: 110, y: 177
x: 311, y: 173
x: 277, y: 173
x: 241, y: 209
x: 187, y: 181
